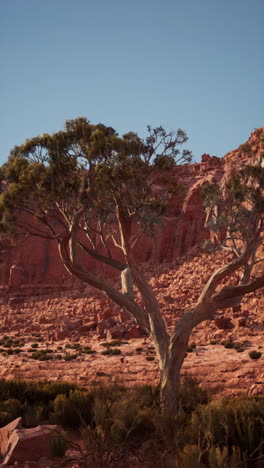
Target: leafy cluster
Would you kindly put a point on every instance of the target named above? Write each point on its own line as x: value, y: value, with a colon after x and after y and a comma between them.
x: 89, y: 169
x: 235, y: 210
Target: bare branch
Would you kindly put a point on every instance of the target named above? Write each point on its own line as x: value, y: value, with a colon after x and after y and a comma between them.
x: 230, y: 292
x: 102, y: 258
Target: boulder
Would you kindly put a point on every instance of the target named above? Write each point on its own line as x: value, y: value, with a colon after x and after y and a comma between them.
x: 116, y: 332
x: 104, y: 325
x: 89, y: 326
x: 16, y: 276
x: 133, y: 332
x: 224, y: 323
x: 29, y: 444
x: 5, y: 433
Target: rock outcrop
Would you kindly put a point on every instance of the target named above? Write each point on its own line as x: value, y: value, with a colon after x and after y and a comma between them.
x: 19, y: 444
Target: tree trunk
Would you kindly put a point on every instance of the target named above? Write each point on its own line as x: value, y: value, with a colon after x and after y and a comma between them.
x: 170, y: 377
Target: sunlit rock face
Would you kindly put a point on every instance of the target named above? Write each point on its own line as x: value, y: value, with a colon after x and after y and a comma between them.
x: 35, y: 261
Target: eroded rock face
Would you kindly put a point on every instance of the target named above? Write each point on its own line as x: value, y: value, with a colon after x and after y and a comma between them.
x: 36, y: 261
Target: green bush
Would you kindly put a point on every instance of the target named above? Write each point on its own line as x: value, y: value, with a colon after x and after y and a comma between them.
x: 245, y: 147
x: 112, y: 351
x: 42, y: 355
x: 59, y: 445
x: 74, y: 410
x: 231, y: 423
x: 33, y: 393
x: 192, y: 394
x: 254, y: 354
x: 70, y: 357
x: 228, y: 343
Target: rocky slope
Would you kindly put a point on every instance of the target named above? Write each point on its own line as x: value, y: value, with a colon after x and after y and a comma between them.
x: 72, y: 330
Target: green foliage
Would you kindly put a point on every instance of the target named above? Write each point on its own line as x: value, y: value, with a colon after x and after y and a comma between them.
x: 191, y: 347
x: 128, y: 422
x: 228, y: 344
x: 255, y: 354
x: 59, y: 445
x: 74, y: 410
x: 192, y: 394
x: 32, y: 393
x: 90, y: 168
x: 70, y: 357
x: 111, y: 351
x: 245, y: 147
x: 234, y: 210
x: 41, y: 355
x: 231, y: 424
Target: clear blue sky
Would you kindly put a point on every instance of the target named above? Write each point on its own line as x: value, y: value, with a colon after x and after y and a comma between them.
x: 194, y: 64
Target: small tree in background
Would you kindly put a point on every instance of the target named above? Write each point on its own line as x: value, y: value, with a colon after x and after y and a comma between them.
x: 87, y: 182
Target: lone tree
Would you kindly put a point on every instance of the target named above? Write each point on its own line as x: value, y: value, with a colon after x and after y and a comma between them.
x: 86, y: 182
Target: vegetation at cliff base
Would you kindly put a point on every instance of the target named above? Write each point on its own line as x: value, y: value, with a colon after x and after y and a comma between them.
x: 115, y: 423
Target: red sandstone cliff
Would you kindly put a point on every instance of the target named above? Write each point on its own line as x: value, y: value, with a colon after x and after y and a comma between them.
x: 35, y: 261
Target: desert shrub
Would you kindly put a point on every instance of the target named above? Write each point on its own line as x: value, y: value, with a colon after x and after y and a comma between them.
x: 117, y: 343
x: 112, y: 351
x: 35, y: 415
x: 76, y: 346
x: 254, y: 354
x: 33, y: 393
x: 5, y: 418
x: 109, y: 344
x: 213, y: 342
x: 70, y: 357
x: 146, y: 396
x: 231, y: 423
x: 227, y: 343
x: 42, y: 355
x: 34, y: 345
x: 192, y: 394
x: 245, y: 147
x: 74, y: 410
x: 12, y: 408
x: 59, y: 444
x: 150, y: 358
